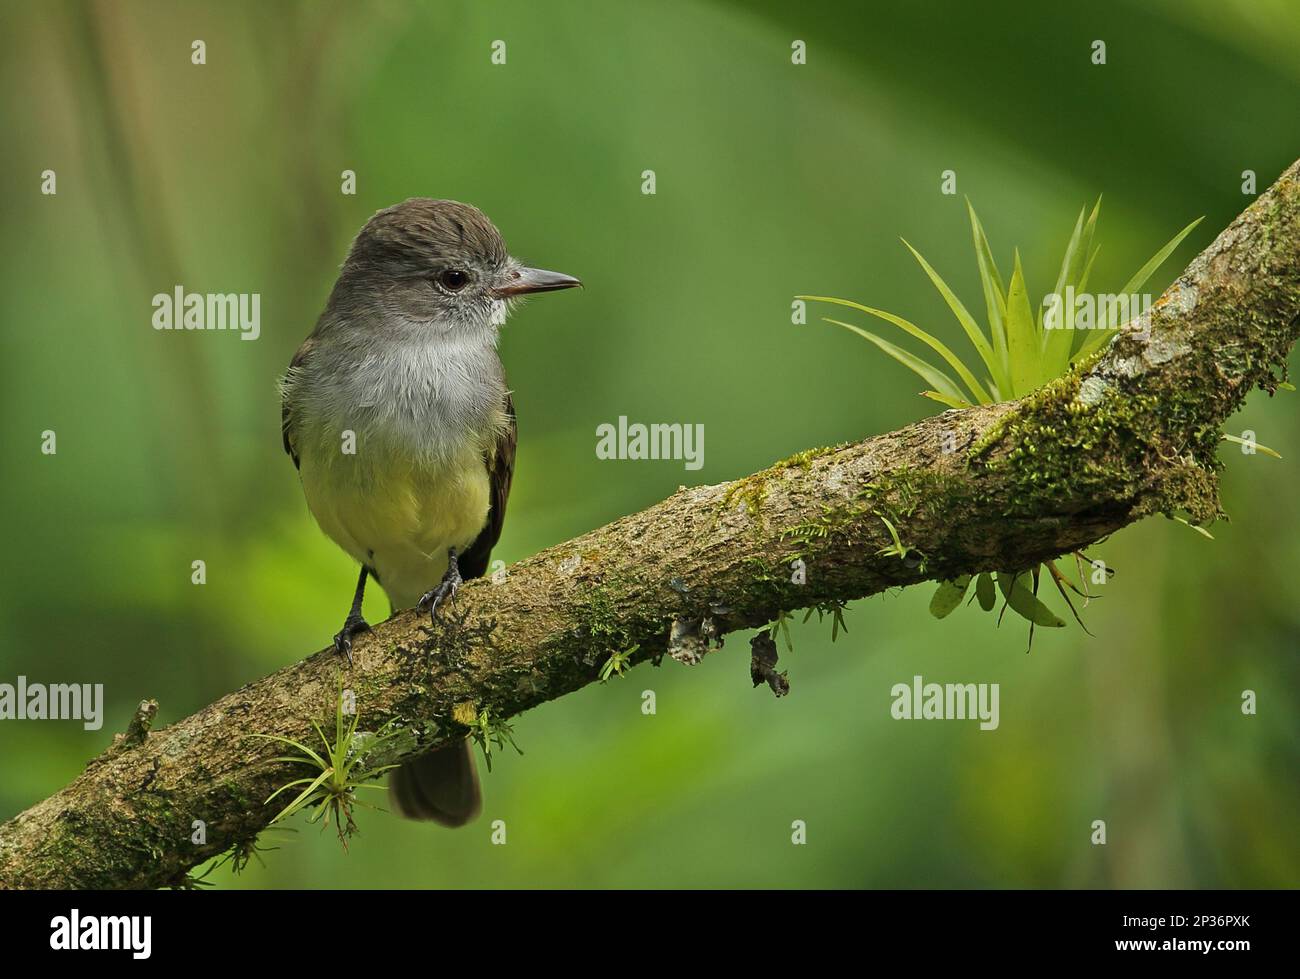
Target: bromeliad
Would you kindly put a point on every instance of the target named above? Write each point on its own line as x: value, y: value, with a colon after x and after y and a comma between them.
x: 1018, y: 352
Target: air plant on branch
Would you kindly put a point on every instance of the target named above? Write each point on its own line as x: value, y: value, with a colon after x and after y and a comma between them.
x: 336, y: 771
x: 1020, y: 350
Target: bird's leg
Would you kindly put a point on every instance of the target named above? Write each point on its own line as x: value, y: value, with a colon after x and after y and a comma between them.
x: 451, y: 581
x: 354, y: 622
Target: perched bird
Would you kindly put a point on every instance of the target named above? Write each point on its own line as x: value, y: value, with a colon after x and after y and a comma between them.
x: 396, y: 412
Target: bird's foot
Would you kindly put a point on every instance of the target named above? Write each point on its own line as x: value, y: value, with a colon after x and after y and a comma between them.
x: 447, y: 588
x: 353, y: 626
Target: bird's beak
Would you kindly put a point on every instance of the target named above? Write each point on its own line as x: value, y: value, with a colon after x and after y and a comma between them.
x: 522, y: 281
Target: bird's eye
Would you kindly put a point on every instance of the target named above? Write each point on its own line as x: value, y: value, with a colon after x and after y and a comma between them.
x: 453, y: 280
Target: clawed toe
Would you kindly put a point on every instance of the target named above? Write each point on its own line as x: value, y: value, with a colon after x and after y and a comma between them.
x: 447, y: 588
x: 343, y: 641
x: 434, y: 597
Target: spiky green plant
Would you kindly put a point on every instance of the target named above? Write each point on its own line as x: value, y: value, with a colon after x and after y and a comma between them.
x: 780, y: 627
x: 1018, y: 352
x: 835, y: 609
x: 337, y: 772
x: 493, y: 733
x: 898, y: 549
x: 617, y: 663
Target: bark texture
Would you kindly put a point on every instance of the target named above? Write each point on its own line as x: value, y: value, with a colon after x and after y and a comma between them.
x: 1133, y: 433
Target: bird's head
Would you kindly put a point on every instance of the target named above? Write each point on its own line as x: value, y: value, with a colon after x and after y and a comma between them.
x: 440, y: 264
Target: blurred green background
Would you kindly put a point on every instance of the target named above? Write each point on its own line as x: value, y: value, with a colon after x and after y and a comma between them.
x: 773, y: 180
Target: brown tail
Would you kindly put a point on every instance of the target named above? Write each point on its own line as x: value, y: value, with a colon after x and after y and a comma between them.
x: 441, y: 786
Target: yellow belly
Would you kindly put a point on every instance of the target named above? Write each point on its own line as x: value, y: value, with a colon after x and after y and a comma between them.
x: 397, y: 517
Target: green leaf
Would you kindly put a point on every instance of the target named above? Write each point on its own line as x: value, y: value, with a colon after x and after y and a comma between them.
x: 1058, y: 342
x: 938, y: 346
x: 1088, y: 335
x: 1025, y: 603
x: 984, y: 592
x: 1105, y: 330
x: 295, y: 744
x: 329, y: 748
x: 1140, y: 277
x: 1063, y: 278
x: 1022, y: 336
x: 898, y: 547
x: 973, y: 332
x: 1255, y: 445
x: 289, y: 785
x: 937, y: 379
x: 944, y: 399
x: 1086, y: 253
x: 949, y: 596
x: 995, y: 300
x: 1200, y: 530
x: 1087, y: 271
x: 301, y: 800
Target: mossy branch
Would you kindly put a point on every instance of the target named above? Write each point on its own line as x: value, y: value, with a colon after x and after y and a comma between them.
x: 1131, y: 434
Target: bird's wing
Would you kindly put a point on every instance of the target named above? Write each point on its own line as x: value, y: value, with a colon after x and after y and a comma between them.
x: 286, y: 426
x: 501, y: 469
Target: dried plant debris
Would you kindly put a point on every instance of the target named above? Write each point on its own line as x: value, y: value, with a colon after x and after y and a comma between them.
x: 762, y: 664
x: 690, y: 639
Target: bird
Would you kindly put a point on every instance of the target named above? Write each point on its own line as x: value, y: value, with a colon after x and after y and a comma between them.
x: 396, y: 413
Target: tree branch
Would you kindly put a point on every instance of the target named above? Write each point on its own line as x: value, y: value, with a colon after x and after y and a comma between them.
x: 1131, y: 434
